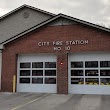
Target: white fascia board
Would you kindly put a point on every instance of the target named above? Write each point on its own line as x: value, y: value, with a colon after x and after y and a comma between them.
x: 1, y: 46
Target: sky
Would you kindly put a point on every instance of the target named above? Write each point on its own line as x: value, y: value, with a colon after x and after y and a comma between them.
x: 94, y: 11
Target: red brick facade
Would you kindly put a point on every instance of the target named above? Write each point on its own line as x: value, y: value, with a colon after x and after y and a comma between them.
x: 98, y: 41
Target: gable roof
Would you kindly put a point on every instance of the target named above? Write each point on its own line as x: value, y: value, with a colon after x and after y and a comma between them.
x: 51, y: 20
x: 27, y: 6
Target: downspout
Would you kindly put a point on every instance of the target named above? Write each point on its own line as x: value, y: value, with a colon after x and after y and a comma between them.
x: 1, y: 48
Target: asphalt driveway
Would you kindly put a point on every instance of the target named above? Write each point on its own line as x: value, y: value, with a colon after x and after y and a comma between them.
x: 40, y: 101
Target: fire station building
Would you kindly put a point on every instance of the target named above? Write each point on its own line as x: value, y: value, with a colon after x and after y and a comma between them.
x: 48, y: 53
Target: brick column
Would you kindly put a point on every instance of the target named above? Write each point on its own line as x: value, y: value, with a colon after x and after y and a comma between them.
x: 9, y: 68
x: 62, y: 73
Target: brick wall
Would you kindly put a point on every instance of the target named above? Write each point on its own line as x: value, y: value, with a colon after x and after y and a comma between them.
x: 98, y: 41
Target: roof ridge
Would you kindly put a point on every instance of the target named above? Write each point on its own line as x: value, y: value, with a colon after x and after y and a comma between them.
x: 28, y: 6
x: 38, y: 9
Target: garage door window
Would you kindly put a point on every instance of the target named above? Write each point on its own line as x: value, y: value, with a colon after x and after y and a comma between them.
x: 50, y: 72
x: 104, y: 72
x: 37, y: 65
x: 37, y: 72
x: 91, y: 64
x: 105, y: 64
x: 50, y: 64
x: 90, y: 72
x: 37, y: 80
x: 25, y: 65
x: 76, y: 64
x: 105, y: 81
x: 24, y: 72
x: 92, y: 81
x: 25, y: 80
x: 77, y: 80
x: 76, y: 72
x: 50, y: 80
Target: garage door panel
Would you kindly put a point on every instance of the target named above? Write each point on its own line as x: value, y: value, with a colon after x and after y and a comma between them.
x: 89, y: 89
x: 38, y: 58
x: 89, y: 73
x: 37, y: 88
x: 88, y: 56
x: 38, y: 74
